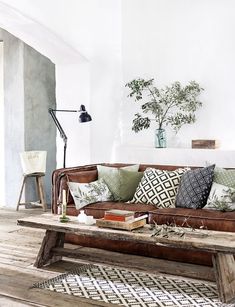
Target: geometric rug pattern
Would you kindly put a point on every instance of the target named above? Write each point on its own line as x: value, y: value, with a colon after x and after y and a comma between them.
x: 133, y: 289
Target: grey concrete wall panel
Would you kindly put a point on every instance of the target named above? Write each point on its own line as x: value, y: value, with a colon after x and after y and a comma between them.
x: 14, y: 115
x: 39, y: 95
x: 29, y: 90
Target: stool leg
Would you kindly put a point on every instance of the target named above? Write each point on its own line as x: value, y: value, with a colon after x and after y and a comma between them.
x: 21, y: 192
x: 38, y: 189
x: 41, y: 192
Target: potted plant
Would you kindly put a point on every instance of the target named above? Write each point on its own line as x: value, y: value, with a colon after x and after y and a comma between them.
x: 173, y: 105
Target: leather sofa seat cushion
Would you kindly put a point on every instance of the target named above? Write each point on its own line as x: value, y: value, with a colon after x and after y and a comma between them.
x: 97, y: 210
x: 209, y: 219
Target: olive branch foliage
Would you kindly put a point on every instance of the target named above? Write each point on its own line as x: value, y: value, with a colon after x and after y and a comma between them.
x: 171, y: 229
x: 224, y: 203
x: 173, y: 105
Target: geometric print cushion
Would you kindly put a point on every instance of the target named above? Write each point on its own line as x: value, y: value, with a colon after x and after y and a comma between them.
x: 225, y: 177
x: 158, y: 187
x: 195, y: 187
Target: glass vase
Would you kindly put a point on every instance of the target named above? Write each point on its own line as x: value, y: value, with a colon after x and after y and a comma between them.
x: 160, y: 138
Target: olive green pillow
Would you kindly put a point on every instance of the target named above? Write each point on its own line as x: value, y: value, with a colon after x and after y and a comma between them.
x: 129, y: 182
x: 112, y: 177
x: 225, y: 177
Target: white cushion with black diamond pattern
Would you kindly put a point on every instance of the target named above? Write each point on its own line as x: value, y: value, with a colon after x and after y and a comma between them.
x: 158, y: 187
x: 195, y: 188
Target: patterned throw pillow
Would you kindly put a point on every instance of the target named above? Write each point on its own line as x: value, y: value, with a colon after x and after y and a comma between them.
x: 158, y: 187
x: 195, y: 187
x: 225, y: 177
x: 111, y: 176
x: 88, y: 193
x: 220, y: 193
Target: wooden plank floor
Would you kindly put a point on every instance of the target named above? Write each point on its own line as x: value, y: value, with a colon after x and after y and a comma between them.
x: 18, y: 250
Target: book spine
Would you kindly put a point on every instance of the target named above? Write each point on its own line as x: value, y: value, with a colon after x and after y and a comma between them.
x: 119, y: 214
x: 118, y: 218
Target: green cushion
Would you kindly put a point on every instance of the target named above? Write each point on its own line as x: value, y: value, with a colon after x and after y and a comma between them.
x: 113, y: 179
x: 225, y: 177
x: 129, y: 182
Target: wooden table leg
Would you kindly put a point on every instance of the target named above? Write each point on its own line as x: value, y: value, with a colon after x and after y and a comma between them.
x: 51, y: 239
x: 224, y: 267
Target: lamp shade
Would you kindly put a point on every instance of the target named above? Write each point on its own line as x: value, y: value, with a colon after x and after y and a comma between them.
x: 84, y: 116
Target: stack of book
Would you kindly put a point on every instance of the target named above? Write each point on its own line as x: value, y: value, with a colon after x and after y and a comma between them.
x: 121, y: 219
x: 119, y: 215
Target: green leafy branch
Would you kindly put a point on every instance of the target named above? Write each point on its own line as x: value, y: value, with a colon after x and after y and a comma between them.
x: 224, y: 202
x: 172, y: 229
x: 173, y: 105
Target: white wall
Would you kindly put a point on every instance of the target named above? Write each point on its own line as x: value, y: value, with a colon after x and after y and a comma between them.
x: 182, y: 40
x: 83, y: 39
x: 98, y: 46
x: 72, y: 90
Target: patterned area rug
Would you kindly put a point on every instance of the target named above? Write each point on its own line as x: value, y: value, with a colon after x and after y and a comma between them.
x: 133, y: 289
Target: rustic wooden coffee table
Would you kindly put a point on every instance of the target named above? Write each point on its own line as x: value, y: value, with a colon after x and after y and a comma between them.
x: 220, y: 244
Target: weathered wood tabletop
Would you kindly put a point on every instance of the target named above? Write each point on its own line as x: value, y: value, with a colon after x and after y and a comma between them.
x: 220, y: 244
x: 205, y: 240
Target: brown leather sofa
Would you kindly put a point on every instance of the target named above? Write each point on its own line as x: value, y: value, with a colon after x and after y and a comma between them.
x: 209, y: 219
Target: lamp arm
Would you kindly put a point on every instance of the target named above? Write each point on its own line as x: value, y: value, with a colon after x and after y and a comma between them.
x: 84, y: 117
x: 58, y: 125
x: 61, y: 130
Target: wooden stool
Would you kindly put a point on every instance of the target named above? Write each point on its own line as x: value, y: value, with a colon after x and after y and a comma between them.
x: 39, y: 187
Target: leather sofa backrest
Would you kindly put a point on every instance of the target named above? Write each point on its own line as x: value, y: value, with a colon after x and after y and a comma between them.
x: 85, y: 174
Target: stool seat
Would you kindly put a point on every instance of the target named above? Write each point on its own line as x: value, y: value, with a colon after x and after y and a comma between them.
x: 40, y: 190
x: 34, y: 174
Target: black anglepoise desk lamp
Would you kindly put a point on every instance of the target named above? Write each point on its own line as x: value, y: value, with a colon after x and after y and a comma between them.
x: 83, y: 118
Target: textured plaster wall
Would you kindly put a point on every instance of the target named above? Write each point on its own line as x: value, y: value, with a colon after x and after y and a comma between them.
x: 39, y: 95
x: 14, y: 115
x: 29, y: 89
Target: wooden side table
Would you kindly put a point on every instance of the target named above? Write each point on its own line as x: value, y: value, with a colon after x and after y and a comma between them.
x: 39, y: 187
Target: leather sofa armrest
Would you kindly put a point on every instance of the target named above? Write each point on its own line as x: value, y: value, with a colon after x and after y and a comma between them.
x: 60, y: 174
x: 76, y: 174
